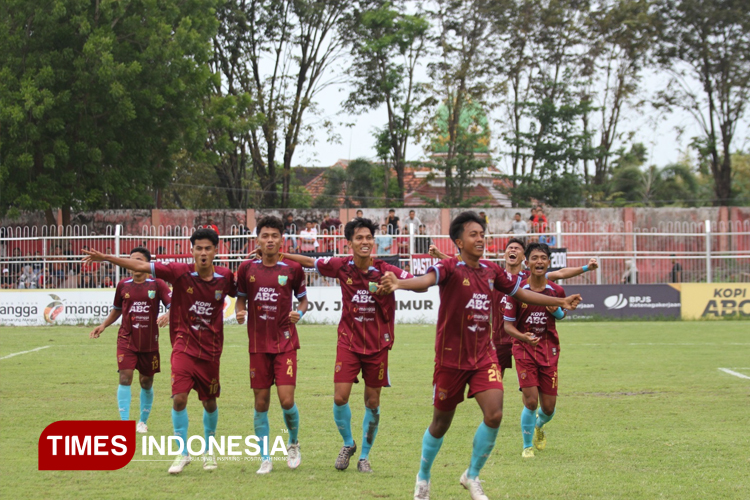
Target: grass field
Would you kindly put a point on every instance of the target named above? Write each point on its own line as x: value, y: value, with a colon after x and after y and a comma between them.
x: 643, y: 412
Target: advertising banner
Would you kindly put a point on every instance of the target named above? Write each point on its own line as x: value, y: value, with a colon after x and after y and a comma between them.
x: 715, y: 300
x: 625, y: 301
x: 420, y: 262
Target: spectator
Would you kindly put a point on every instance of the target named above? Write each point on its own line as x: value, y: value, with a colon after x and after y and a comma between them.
x: 485, y: 219
x: 6, y: 282
x: 88, y: 281
x: 422, y: 241
x: 676, y: 271
x: 210, y: 224
x: 160, y: 250
x: 384, y: 241
x: 177, y: 249
x: 309, y: 238
x: 518, y: 227
x: 630, y: 276
x: 238, y: 244
x: 331, y: 223
x: 359, y: 214
x: 290, y: 229
x: 412, y: 223
x: 407, y: 267
x: 106, y: 282
x: 58, y: 268
x: 538, y: 220
x: 89, y: 268
x: 15, y: 268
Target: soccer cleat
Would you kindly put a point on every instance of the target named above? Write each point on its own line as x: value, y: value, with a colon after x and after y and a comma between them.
x: 179, y: 463
x: 474, y: 486
x: 141, y: 428
x: 528, y: 452
x: 422, y: 489
x: 363, y: 465
x: 265, y: 467
x: 342, y: 461
x: 209, y: 462
x: 540, y: 440
x: 294, y: 457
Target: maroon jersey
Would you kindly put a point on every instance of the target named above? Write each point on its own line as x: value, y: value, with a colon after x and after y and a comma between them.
x: 196, y: 320
x: 367, y: 319
x: 270, y: 290
x: 498, y: 306
x: 464, y: 329
x: 538, y: 321
x: 139, y: 303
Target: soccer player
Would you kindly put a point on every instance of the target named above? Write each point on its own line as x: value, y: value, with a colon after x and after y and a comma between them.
x: 464, y: 353
x: 273, y: 342
x: 514, y: 264
x: 365, y: 334
x: 196, y: 330
x: 536, y: 358
x: 138, y: 337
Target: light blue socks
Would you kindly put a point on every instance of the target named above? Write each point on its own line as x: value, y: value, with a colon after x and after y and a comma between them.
x: 528, y: 420
x: 261, y: 430
x: 123, y: 401
x: 291, y: 419
x: 210, y: 420
x: 430, y: 447
x: 147, y: 400
x: 542, y: 418
x: 180, y: 423
x: 342, y: 415
x: 484, y: 442
x: 369, y: 430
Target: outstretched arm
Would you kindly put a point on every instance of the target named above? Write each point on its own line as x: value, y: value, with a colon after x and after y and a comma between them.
x: 538, y: 299
x: 434, y: 252
x: 302, y: 260
x: 390, y: 283
x: 138, y: 266
x: 570, y: 272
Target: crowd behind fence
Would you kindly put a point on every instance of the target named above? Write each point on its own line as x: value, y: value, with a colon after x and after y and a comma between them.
x: 51, y: 257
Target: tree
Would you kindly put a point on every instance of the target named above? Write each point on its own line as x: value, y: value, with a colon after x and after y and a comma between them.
x: 359, y: 184
x: 387, y: 46
x: 96, y: 99
x: 708, y: 42
x: 674, y: 185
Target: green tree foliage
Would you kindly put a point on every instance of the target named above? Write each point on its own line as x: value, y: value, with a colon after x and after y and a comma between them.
x: 673, y: 185
x: 361, y: 184
x: 96, y: 99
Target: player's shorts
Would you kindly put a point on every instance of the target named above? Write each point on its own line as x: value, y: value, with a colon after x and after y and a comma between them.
x: 531, y: 374
x: 374, y: 367
x: 193, y: 373
x: 267, y: 369
x: 504, y: 356
x: 147, y: 363
x: 449, y: 384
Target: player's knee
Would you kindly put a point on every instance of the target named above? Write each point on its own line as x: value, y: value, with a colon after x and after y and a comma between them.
x: 492, y: 418
x: 532, y: 403
x: 372, y: 401
x: 126, y: 378
x: 340, y: 399
x: 548, y: 409
x: 210, y: 405
x: 147, y: 382
x: 179, y: 402
x: 287, y: 402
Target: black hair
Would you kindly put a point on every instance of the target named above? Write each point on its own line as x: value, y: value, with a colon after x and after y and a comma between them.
x: 392, y: 210
x: 457, y: 224
x: 205, y: 234
x: 143, y: 251
x: 537, y: 246
x: 270, y: 221
x: 516, y: 240
x: 518, y: 213
x: 358, y: 222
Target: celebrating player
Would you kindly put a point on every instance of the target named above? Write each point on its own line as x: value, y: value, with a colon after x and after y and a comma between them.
x: 365, y: 334
x: 196, y: 330
x: 514, y: 250
x: 464, y: 353
x: 138, y: 337
x: 536, y: 358
x: 273, y: 341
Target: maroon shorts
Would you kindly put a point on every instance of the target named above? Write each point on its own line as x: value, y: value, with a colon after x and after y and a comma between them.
x: 531, y: 374
x: 505, y: 356
x: 449, y: 384
x: 147, y: 363
x: 374, y: 367
x: 267, y: 369
x: 193, y: 373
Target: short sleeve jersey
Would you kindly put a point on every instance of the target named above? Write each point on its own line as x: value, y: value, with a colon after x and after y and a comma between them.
x: 498, y: 325
x: 464, y: 329
x: 367, y: 320
x: 139, y: 303
x: 538, y: 321
x: 269, y: 291
x: 196, y: 320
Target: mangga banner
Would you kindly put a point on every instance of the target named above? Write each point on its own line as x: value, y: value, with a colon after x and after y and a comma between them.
x: 714, y: 300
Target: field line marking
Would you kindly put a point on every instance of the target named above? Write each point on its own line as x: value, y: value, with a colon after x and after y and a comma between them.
x: 25, y: 352
x: 732, y: 372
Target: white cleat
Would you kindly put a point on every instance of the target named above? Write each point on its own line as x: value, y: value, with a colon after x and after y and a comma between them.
x: 265, y: 467
x: 179, y: 463
x: 474, y: 486
x: 141, y: 428
x: 209, y: 462
x: 294, y: 457
x: 422, y: 489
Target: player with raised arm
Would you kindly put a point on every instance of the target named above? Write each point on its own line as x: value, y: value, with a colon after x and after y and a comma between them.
x: 537, y: 358
x: 270, y: 281
x: 514, y: 264
x: 196, y: 330
x: 365, y: 334
x: 137, y: 301
x: 464, y: 352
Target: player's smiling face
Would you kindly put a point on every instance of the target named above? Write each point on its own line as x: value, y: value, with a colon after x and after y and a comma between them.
x: 471, y: 241
x: 362, y: 242
x: 538, y: 263
x: 204, y: 252
x: 270, y: 241
x: 514, y: 254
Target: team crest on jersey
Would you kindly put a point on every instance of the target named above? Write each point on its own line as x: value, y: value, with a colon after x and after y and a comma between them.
x: 127, y: 295
x: 387, y: 337
x: 190, y: 290
x: 524, y: 305
x: 282, y: 280
x: 151, y: 294
x: 523, y: 374
x: 554, y: 351
x: 348, y: 281
x: 491, y: 283
x: 338, y: 366
x: 252, y: 372
x: 442, y: 394
x: 289, y: 360
x: 252, y: 278
x: 217, y: 294
x: 120, y: 357
x: 467, y: 282
x: 287, y: 335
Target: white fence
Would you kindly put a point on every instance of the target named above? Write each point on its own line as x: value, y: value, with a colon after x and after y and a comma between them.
x: 50, y: 257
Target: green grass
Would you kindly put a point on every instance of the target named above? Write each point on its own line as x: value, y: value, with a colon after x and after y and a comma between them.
x: 643, y: 412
